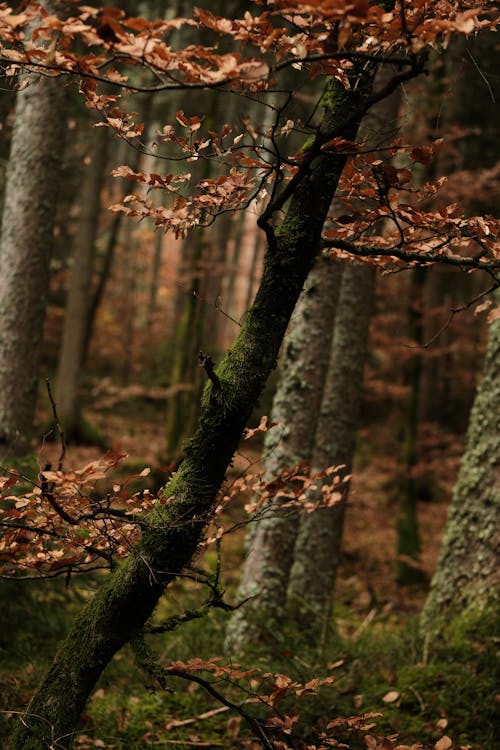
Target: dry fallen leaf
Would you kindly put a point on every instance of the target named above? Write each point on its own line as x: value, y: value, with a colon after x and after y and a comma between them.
x: 391, y: 696
x: 443, y: 744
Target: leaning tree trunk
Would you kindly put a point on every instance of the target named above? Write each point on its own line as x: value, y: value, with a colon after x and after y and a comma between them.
x: 33, y: 176
x: 290, y: 443
x: 172, y: 531
x: 468, y: 576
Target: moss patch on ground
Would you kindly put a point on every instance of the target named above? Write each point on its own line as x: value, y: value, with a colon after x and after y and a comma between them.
x: 422, y: 690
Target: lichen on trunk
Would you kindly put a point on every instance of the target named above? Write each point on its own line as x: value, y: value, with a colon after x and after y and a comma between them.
x: 467, y: 580
x: 271, y: 540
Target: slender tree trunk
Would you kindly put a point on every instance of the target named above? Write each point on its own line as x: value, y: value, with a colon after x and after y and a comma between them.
x: 98, y: 294
x: 133, y: 159
x: 186, y: 343
x: 296, y: 405
x: 467, y: 579
x: 172, y: 531
x: 256, y: 250
x: 431, y: 396
x: 239, y: 223
x: 155, y: 278
x: 408, y: 537
x: 317, y: 549
x: 129, y: 273
x: 77, y: 306
x: 26, y: 246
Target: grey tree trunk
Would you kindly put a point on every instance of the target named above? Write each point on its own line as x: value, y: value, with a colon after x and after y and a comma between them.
x: 33, y: 178
x: 317, y: 549
x: 78, y: 302
x: 467, y: 579
x: 319, y: 428
x: 296, y: 404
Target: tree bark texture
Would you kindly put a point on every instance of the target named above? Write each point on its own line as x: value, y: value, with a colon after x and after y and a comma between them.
x: 77, y: 306
x: 270, y: 542
x: 468, y: 576
x: 319, y: 426
x: 173, y: 529
x: 317, y: 549
x: 26, y: 247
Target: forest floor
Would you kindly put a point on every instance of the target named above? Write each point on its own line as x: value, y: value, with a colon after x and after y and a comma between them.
x: 380, y: 660
x: 366, y: 580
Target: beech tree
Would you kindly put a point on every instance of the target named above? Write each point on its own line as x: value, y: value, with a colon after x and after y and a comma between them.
x: 466, y: 582
x: 271, y: 539
x: 293, y: 557
x: 467, y: 579
x: 342, y: 44
x: 27, y: 241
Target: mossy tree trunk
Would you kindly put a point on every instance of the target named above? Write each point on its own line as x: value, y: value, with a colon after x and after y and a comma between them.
x: 172, y: 530
x: 468, y: 576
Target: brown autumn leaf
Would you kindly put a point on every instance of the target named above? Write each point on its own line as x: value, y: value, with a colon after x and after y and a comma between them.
x: 391, y: 696
x: 263, y: 426
x: 483, y: 306
x: 443, y: 744
x: 422, y: 154
x: 493, y: 315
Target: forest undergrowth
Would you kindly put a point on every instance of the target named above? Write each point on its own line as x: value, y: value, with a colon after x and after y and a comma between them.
x: 420, y: 693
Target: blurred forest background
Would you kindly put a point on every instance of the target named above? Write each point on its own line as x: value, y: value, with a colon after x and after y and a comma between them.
x: 130, y: 308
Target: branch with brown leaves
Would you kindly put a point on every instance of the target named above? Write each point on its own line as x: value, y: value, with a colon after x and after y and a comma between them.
x: 415, y: 256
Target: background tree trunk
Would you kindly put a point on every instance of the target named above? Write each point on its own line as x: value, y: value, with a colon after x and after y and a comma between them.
x: 317, y: 549
x: 271, y: 540
x: 318, y: 403
x: 408, y: 536
x: 26, y: 246
x: 78, y: 301
x: 468, y: 576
